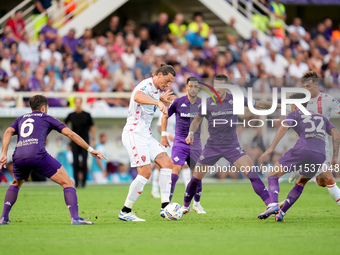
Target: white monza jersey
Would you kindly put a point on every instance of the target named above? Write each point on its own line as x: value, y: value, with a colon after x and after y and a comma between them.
x: 325, y: 104
x: 140, y: 115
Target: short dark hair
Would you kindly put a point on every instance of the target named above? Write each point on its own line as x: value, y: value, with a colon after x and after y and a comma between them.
x: 299, y: 96
x: 221, y: 77
x: 198, y: 14
x: 38, y: 101
x: 165, y: 70
x: 192, y: 78
x: 310, y: 75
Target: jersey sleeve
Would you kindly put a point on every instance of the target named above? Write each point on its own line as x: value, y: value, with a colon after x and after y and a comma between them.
x: 15, y: 125
x: 290, y: 118
x: 55, y: 124
x: 172, y: 108
x: 335, y: 105
x: 246, y: 102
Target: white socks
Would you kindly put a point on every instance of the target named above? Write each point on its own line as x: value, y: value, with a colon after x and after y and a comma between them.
x: 334, y: 191
x: 186, y: 174
x: 155, y: 181
x: 136, y: 188
x: 165, y: 184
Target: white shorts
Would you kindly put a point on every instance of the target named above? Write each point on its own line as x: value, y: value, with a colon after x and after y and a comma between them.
x: 168, y: 149
x: 142, y: 150
x: 98, y: 177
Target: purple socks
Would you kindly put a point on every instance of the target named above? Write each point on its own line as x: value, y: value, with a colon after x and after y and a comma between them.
x: 198, y: 193
x: 274, y: 188
x: 293, y: 195
x: 71, y: 201
x: 191, y: 190
x: 10, y: 198
x: 174, y: 179
x: 258, y: 186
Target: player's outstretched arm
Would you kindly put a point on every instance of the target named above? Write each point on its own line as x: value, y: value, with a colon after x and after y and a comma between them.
x: 142, y: 98
x: 80, y: 141
x: 279, y: 134
x: 336, y: 142
x: 5, y: 143
x: 193, y: 128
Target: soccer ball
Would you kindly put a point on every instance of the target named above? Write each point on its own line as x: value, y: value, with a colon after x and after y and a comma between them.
x: 173, y: 211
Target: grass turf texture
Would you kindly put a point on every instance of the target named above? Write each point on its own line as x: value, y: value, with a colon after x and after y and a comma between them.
x: 40, y: 223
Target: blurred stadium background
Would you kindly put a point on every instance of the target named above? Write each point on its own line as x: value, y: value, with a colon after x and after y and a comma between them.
x: 100, y: 49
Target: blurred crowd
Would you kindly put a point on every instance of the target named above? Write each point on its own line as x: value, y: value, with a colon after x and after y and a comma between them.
x: 120, y: 56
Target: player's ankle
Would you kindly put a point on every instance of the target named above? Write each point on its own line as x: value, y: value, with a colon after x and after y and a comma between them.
x: 126, y: 209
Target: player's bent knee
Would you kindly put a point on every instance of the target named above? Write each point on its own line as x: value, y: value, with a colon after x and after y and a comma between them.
x: 329, y: 181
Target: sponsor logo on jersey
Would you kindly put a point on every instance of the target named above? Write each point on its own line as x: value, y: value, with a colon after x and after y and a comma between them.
x: 143, y: 158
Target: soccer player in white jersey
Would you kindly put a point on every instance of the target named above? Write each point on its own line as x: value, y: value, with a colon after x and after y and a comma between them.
x: 323, y: 104
x: 138, y: 141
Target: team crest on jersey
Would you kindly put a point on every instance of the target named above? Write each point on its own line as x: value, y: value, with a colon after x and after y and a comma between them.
x: 176, y: 158
x: 143, y: 88
x: 143, y: 158
x: 230, y: 101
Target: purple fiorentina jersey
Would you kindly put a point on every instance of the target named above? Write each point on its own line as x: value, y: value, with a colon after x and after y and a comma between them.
x: 221, y: 121
x: 185, y: 113
x: 32, y: 130
x: 311, y: 130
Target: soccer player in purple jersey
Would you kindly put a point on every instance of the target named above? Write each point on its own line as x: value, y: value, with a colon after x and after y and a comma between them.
x: 222, y: 142
x: 307, y: 155
x: 185, y: 108
x: 32, y: 130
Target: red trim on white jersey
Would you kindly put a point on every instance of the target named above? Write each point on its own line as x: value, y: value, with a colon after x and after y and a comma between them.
x: 319, y: 102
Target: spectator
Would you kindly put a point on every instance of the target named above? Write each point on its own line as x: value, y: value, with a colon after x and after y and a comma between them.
x: 65, y: 158
x: 49, y: 32
x: 328, y: 29
x: 50, y: 52
x: 6, y: 61
x: 129, y: 58
x: 145, y: 41
x: 212, y: 38
x: 159, y: 30
x: 112, y: 29
x: 73, y: 81
x: 121, y: 175
x: 260, y: 19
x: 332, y: 77
x: 193, y: 27
x: 123, y: 77
x: 275, y: 64
x: 70, y: 42
x: 100, y: 49
x: 143, y: 67
x: 99, y: 167
x: 275, y: 41
x: 315, y: 61
x: 36, y: 83
x: 113, y: 63
x: 184, y: 55
x: 296, y: 27
x: 7, y: 37
x: 195, y: 39
x: 297, y: 69
x: 262, y: 85
x: 17, y: 24
x: 256, y: 52
x: 178, y: 29
x: 29, y: 52
x: 82, y: 124
x: 129, y: 28
x: 52, y: 82
x: 14, y: 81
x: 118, y: 46
x: 90, y: 73
x: 278, y: 10
x: 319, y: 30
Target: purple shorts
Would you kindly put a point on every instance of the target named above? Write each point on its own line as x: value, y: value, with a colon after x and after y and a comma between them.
x: 180, y: 155
x: 45, y: 165
x: 212, y: 153
x: 305, y: 161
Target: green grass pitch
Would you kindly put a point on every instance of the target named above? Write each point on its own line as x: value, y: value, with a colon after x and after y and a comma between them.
x: 40, y: 223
